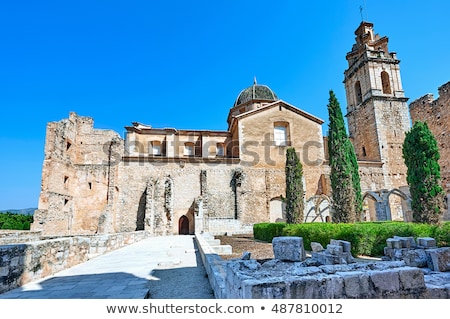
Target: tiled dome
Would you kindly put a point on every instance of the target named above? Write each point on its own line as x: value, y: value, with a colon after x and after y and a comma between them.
x: 256, y: 92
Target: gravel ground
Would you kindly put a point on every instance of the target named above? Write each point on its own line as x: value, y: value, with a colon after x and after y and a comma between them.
x: 243, y: 243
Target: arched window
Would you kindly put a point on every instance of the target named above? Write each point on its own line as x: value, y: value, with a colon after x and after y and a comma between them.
x: 358, y: 93
x: 385, y: 83
x: 281, y: 133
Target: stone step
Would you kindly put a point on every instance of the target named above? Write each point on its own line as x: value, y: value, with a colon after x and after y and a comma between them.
x: 223, y: 249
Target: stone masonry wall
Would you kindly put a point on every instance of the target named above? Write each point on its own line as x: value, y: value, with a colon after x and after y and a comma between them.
x: 436, y: 113
x: 26, y: 262
x: 232, y: 198
x: 18, y: 236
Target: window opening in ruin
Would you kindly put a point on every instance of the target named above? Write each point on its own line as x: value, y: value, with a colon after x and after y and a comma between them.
x: 358, y: 93
x: 140, y: 214
x: 385, y: 83
x: 189, y: 149
x: 66, y: 179
x: 155, y: 148
x: 90, y: 185
x: 364, y: 151
x: 66, y: 201
x: 220, y: 149
x: 68, y: 145
x: 281, y: 133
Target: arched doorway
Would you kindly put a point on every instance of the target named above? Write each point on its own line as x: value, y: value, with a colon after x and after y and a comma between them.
x: 183, y: 225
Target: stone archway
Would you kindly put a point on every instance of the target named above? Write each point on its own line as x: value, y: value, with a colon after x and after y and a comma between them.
x: 371, y: 203
x: 405, y: 212
x: 381, y: 206
x: 183, y: 225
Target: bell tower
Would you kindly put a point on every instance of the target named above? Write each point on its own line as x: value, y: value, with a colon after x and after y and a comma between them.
x: 377, y: 113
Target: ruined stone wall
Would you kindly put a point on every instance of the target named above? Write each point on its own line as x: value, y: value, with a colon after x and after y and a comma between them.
x: 436, y: 113
x: 372, y: 176
x: 229, y: 195
x: 77, y: 176
x: 90, y: 188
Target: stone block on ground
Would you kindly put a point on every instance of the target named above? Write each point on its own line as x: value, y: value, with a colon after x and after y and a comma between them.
x: 426, y: 242
x: 439, y: 259
x: 385, y: 281
x: 346, y: 245
x: 416, y: 258
x: 411, y: 278
x: 316, y: 247
x: 334, y: 249
x: 288, y: 248
x: 406, y: 242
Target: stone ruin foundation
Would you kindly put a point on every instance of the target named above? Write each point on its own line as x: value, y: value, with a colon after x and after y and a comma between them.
x: 423, y: 254
x: 332, y: 272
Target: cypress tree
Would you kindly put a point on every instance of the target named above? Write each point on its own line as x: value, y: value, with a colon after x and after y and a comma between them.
x: 294, y: 188
x: 345, y: 180
x: 421, y: 155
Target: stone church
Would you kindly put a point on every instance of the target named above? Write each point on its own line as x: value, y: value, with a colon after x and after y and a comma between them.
x: 170, y: 181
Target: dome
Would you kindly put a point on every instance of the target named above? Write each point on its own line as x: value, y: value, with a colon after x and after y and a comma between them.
x: 256, y: 92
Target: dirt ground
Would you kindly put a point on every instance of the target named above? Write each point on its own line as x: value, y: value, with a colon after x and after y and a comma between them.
x: 242, y: 243
x: 259, y: 249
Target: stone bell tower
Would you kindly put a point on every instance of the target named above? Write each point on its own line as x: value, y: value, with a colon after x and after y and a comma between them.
x: 377, y: 112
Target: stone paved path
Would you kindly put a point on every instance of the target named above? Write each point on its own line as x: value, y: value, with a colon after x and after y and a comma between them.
x: 167, y: 267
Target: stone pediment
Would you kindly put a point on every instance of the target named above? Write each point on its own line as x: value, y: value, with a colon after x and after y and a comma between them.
x: 280, y: 104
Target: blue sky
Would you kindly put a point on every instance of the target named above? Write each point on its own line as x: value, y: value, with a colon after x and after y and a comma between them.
x: 182, y: 64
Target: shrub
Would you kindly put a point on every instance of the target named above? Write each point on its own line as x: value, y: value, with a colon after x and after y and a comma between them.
x: 267, y: 231
x: 367, y: 238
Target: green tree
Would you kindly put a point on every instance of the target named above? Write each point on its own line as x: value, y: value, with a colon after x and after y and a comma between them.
x: 421, y: 155
x: 13, y: 221
x: 294, y: 188
x: 345, y: 180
